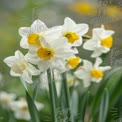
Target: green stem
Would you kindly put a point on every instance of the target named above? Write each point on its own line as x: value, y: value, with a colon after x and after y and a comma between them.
x: 66, y: 92
x: 52, y: 97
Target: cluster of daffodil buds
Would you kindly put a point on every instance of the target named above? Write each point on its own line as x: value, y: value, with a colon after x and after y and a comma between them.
x: 56, y: 48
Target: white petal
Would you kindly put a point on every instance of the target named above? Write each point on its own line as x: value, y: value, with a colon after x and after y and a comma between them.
x: 107, y: 33
x: 97, y: 62
x: 96, y: 80
x: 87, y: 82
x: 24, y: 31
x: 58, y: 65
x: 26, y: 76
x: 44, y: 65
x: 97, y: 32
x: 81, y: 29
x: 97, y: 52
x: 68, y: 24
x: 87, y: 65
x: 38, y: 26
x: 19, y: 55
x: 12, y: 73
x: 90, y: 44
x: 23, y: 43
x: 81, y: 74
x: 33, y: 70
x: 78, y: 42
x: 10, y: 60
x: 105, y: 68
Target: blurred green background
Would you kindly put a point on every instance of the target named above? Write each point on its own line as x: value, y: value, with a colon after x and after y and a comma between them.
x: 20, y: 13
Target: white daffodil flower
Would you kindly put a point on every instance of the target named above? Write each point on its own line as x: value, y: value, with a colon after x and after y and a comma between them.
x: 20, y: 67
x: 31, y: 36
x: 6, y: 98
x: 91, y: 72
x: 101, y: 42
x: 74, y: 32
x: 20, y: 109
x: 51, y: 55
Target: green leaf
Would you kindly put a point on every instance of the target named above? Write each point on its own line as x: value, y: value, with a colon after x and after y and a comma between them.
x: 32, y: 109
x: 84, y: 102
x: 104, y: 104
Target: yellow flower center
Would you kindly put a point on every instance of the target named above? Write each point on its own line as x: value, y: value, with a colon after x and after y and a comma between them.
x: 19, y: 67
x: 71, y: 36
x: 97, y: 73
x: 33, y: 39
x: 107, y: 42
x: 73, y: 62
x: 45, y: 53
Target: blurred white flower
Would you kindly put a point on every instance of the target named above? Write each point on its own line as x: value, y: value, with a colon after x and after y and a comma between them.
x: 101, y: 42
x: 20, y: 109
x: 73, y: 32
x: 20, y: 67
x: 51, y: 55
x: 6, y: 98
x: 91, y: 72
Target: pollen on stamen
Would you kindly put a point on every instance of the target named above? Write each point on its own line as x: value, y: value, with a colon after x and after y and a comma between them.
x: 71, y: 36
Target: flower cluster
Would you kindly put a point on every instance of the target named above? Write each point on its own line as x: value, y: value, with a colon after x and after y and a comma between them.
x: 19, y: 107
x: 56, y: 48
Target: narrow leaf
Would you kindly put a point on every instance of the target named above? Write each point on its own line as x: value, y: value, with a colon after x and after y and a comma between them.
x: 32, y: 109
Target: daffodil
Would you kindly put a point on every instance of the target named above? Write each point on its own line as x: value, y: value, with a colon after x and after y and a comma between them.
x: 51, y: 55
x: 91, y: 72
x: 20, y: 109
x: 31, y: 36
x: 6, y: 98
x: 20, y: 67
x: 101, y: 42
x: 73, y: 32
